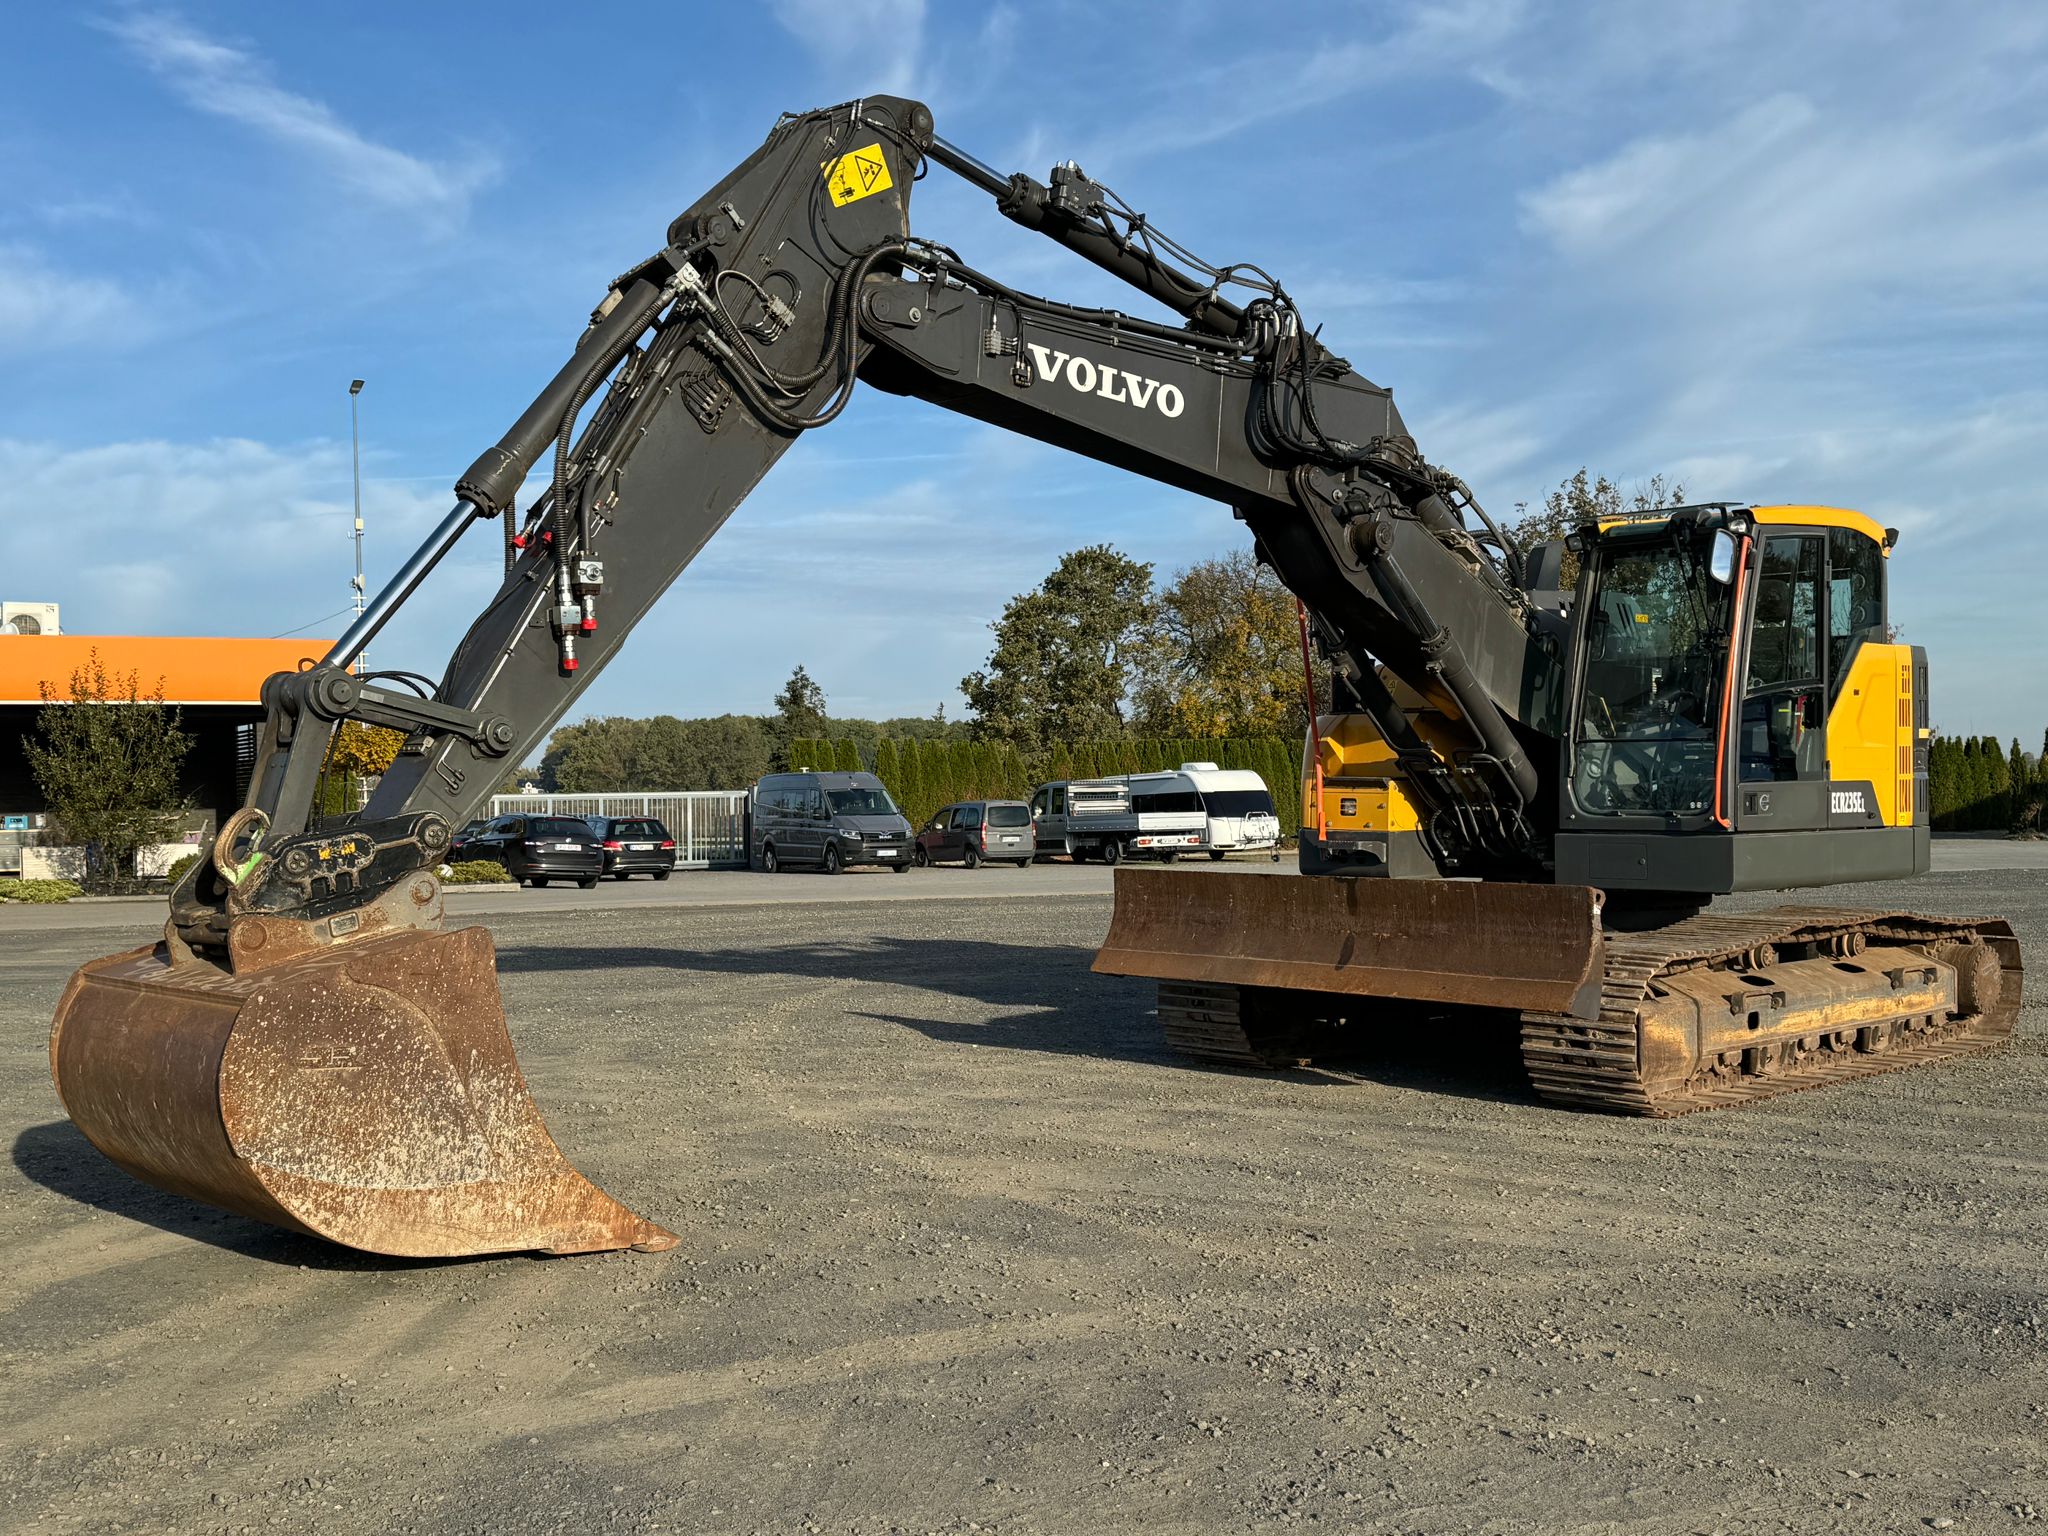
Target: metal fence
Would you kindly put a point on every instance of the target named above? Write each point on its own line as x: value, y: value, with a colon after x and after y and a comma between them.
x: 709, y: 826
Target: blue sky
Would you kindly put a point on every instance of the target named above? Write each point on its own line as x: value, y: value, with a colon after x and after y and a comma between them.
x: 1781, y: 252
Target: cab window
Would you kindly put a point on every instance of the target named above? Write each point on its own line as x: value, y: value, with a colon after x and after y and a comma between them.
x: 1855, y: 597
x: 1784, y: 648
x: 1781, y: 736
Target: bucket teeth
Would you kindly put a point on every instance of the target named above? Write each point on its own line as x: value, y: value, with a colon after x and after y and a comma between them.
x: 367, y: 1094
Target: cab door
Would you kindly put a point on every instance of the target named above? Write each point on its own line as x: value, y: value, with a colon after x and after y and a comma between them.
x: 1781, y: 742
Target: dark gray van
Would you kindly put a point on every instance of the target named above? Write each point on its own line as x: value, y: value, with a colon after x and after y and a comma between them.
x: 830, y: 820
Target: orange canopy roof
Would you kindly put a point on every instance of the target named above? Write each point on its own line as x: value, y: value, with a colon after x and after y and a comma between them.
x: 194, y: 669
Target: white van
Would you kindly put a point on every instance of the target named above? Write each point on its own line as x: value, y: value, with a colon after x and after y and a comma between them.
x: 1236, y: 801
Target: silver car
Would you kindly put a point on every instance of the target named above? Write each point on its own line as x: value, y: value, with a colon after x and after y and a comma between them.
x: 975, y: 832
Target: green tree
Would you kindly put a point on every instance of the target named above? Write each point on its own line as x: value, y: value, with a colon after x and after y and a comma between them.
x: 1066, y: 655
x: 1941, y: 783
x: 591, y: 755
x: 916, y: 798
x: 724, y: 752
x: 1582, y: 499
x: 1997, y: 787
x: 799, y: 713
x: 357, y: 752
x: 106, y: 757
x: 1223, y: 657
x: 845, y: 755
x: 2022, y: 805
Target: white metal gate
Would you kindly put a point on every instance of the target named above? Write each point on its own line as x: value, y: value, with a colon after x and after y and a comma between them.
x: 709, y: 826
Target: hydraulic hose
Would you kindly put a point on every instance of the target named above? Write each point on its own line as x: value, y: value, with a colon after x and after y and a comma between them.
x: 494, y: 479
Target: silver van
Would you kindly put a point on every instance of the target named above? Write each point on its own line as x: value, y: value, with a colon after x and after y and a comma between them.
x: 976, y: 832
x: 830, y: 820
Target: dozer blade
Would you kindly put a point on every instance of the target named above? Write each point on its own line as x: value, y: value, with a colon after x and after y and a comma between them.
x: 367, y: 1094
x: 1439, y: 941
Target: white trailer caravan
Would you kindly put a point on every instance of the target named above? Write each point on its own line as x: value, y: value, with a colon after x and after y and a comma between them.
x: 1236, y: 802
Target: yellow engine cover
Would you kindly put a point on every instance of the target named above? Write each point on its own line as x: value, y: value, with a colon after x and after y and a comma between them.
x: 1871, y: 731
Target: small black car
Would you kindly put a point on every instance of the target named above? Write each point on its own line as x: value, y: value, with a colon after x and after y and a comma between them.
x: 635, y: 845
x: 538, y: 849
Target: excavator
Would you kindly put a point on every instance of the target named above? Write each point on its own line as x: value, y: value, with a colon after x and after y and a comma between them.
x: 1520, y: 796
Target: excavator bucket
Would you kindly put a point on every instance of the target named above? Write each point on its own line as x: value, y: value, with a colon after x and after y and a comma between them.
x: 366, y: 1093
x: 1437, y: 941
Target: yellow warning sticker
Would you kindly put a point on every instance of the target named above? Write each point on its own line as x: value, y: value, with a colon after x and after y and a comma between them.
x: 857, y: 175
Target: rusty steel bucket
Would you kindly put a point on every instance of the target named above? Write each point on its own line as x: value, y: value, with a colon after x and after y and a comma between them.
x: 1439, y: 941
x: 365, y: 1093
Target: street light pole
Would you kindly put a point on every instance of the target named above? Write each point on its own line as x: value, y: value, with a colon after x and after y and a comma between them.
x: 355, y: 388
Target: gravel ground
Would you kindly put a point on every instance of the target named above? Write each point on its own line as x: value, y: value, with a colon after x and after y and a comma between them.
x: 963, y: 1250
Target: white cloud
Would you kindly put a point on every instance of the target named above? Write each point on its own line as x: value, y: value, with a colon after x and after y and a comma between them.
x: 228, y: 537
x: 42, y: 307
x: 1205, y: 106
x: 1783, y: 217
x: 862, y: 47
x: 233, y: 82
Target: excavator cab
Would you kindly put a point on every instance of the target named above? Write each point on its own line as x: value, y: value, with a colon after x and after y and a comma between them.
x: 1740, y: 717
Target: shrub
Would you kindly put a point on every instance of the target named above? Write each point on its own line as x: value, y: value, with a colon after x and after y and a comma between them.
x: 178, y: 867
x: 39, y: 892
x: 477, y: 872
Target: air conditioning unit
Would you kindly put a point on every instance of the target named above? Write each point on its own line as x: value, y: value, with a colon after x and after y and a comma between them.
x: 29, y: 619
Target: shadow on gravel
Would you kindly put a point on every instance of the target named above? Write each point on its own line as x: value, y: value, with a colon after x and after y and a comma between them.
x: 1063, y: 1008
x: 58, y: 1157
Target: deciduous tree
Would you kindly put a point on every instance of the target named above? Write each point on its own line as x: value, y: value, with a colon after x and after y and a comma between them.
x: 1223, y: 657
x: 1066, y: 655
x: 1584, y: 499
x: 106, y: 757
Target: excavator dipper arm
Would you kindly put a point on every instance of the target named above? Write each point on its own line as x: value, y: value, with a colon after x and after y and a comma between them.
x: 307, y: 1045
